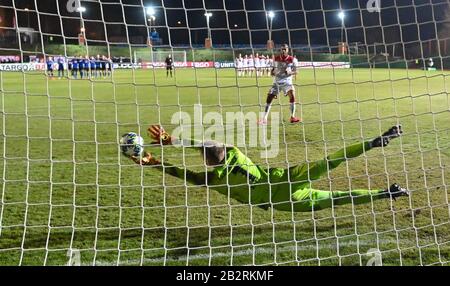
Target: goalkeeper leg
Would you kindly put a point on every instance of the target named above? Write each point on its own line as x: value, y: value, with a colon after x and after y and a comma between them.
x: 313, y: 171
x: 306, y: 200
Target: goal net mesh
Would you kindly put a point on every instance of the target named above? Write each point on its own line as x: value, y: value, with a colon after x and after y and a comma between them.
x: 150, y: 56
x: 69, y: 197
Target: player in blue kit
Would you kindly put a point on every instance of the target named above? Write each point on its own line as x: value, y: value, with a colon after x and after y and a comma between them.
x: 75, y: 66
x: 98, y: 65
x: 109, y: 67
x: 60, y: 67
x: 50, y: 64
x: 69, y: 67
x: 103, y: 66
x: 87, y: 66
x: 93, y: 67
x: 81, y: 66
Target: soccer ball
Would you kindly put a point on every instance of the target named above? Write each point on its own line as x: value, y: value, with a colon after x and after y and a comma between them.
x: 131, y: 144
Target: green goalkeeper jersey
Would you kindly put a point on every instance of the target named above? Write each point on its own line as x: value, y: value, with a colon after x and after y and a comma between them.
x: 245, y: 181
x: 240, y: 178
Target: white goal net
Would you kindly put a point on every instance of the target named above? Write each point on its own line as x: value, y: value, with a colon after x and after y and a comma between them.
x: 312, y: 192
x: 151, y: 56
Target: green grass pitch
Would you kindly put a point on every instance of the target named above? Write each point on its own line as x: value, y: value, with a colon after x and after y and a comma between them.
x: 65, y: 185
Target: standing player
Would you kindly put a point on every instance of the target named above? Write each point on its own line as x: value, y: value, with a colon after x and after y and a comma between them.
x: 245, y: 65
x: 257, y: 61
x: 106, y: 66
x: 93, y: 67
x: 81, y: 66
x: 69, y: 67
x: 75, y: 66
x: 239, y: 65
x: 110, y: 67
x: 103, y: 66
x: 263, y: 63
x: 50, y: 64
x: 98, y: 66
x: 60, y: 67
x: 269, y: 62
x: 251, y: 65
x: 237, y: 177
x: 169, y: 65
x: 87, y: 66
x: 283, y: 69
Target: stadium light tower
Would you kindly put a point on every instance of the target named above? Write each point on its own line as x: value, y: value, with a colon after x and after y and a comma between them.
x: 341, y: 16
x: 151, y: 13
x: 81, y: 35
x: 28, y: 17
x: 81, y: 10
x: 208, y: 15
x: 208, y: 41
x: 270, y: 15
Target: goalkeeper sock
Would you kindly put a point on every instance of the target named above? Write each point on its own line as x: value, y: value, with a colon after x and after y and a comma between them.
x: 292, y: 108
x: 267, y: 110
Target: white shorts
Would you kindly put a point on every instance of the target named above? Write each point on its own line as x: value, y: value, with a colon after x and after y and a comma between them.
x: 285, y: 88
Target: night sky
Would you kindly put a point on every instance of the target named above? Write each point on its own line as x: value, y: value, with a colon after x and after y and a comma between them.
x: 237, y: 22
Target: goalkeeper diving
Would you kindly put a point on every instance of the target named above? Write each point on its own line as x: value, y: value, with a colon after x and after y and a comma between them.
x: 235, y: 175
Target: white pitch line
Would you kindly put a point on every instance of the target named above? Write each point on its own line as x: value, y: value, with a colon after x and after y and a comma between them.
x: 257, y: 250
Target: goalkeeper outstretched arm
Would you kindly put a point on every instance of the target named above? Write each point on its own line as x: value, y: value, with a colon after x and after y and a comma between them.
x: 160, y: 136
x: 290, y: 189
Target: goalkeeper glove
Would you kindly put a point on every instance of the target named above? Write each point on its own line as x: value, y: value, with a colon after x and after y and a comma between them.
x: 157, y: 133
x: 396, y: 191
x: 383, y: 140
x: 147, y: 159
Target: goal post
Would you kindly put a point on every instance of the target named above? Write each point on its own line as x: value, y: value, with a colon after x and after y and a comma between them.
x: 309, y: 170
x: 159, y: 56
